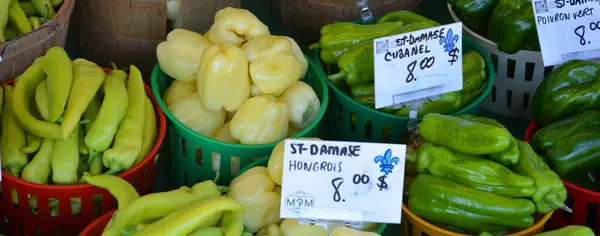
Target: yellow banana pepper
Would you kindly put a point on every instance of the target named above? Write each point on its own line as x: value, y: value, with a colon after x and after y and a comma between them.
x: 290, y: 227
x: 273, y: 65
x: 224, y: 135
x: 191, y: 111
x: 235, y: 26
x: 178, y: 90
x: 271, y: 230
x: 254, y: 191
x: 303, y: 104
x: 344, y: 231
x: 275, y: 166
x: 260, y: 120
x: 222, y: 79
x: 179, y: 56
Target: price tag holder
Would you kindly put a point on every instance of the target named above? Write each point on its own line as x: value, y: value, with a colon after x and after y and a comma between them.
x: 567, y: 30
x: 418, y: 64
x: 342, y: 181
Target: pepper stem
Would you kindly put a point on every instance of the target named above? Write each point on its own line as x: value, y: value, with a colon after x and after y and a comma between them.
x: 46, y: 11
x: 112, y: 65
x: 552, y: 200
x: 217, y: 177
x: 92, y: 155
x: 337, y: 77
x: 223, y: 189
x: 112, y: 172
x: 314, y: 45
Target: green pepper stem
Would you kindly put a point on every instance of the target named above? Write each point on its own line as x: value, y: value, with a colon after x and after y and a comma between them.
x: 83, y: 122
x: 92, y: 155
x: 112, y: 172
x: 223, y: 189
x: 337, y: 77
x: 112, y: 65
x: 217, y: 177
x: 313, y: 46
x: 552, y: 200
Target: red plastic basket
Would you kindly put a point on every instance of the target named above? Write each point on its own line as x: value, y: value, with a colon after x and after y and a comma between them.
x: 20, y: 220
x: 585, y: 201
x: 97, y: 226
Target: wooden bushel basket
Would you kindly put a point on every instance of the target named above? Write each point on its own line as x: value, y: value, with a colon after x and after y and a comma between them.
x: 17, y: 55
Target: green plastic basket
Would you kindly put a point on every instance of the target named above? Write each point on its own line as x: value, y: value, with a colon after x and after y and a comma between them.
x: 191, y: 153
x: 264, y: 161
x: 375, y: 126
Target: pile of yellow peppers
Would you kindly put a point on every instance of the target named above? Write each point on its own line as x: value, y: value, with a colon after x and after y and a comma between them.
x: 62, y: 118
x: 237, y: 83
x: 258, y: 190
x: 22, y: 17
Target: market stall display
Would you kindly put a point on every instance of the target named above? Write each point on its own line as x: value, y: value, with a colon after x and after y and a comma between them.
x: 487, y: 168
x: 28, y: 29
x: 496, y: 26
x: 564, y: 132
x: 351, y: 115
x: 108, y: 32
x: 62, y: 118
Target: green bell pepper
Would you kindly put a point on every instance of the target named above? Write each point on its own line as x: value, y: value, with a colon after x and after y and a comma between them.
x: 407, y: 17
x: 571, y: 88
x: 446, y: 103
x: 512, y: 26
x: 463, y: 135
x: 474, y: 13
x: 579, y: 152
x: 571, y: 230
x: 356, y: 65
x: 547, y: 136
x: 507, y: 157
x: 442, y: 201
x: 468, y: 170
x: 550, y: 193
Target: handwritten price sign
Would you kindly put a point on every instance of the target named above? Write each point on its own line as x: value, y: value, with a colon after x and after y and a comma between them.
x: 567, y: 29
x: 418, y: 65
x: 342, y: 181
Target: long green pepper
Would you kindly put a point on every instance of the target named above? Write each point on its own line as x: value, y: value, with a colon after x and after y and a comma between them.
x: 129, y: 136
x: 508, y: 157
x: 58, y: 67
x: 13, y: 137
x: 65, y: 159
x: 110, y: 114
x: 4, y: 4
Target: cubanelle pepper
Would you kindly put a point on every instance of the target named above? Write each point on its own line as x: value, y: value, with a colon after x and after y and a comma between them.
x: 468, y: 170
x: 571, y: 88
x: 507, y: 157
x: 442, y: 201
x: 550, y: 193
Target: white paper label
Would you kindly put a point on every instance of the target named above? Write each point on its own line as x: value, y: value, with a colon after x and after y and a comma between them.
x: 0, y: 58
x: 343, y: 181
x: 418, y: 64
x: 567, y: 30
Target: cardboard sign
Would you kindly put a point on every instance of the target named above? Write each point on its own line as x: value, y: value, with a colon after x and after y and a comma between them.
x: 567, y: 29
x: 343, y: 181
x: 418, y: 64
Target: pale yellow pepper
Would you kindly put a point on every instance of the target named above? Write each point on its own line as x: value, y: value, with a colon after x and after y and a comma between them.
x: 254, y: 189
x: 344, y: 231
x: 192, y: 113
x: 178, y: 90
x: 299, y: 55
x: 179, y: 56
x: 303, y: 104
x: 275, y: 166
x: 235, y: 26
x: 271, y: 230
x: 290, y: 227
x: 222, y: 79
x: 273, y: 66
x: 260, y: 120
x: 224, y: 135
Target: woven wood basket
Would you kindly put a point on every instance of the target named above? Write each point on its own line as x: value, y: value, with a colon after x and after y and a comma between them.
x: 305, y: 17
x: 18, y: 54
x: 128, y: 31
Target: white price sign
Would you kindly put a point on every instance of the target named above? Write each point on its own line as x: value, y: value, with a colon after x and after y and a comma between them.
x: 418, y: 64
x: 567, y: 30
x: 343, y: 181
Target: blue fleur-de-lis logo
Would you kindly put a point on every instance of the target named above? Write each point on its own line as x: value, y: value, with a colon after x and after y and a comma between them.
x: 387, y: 162
x: 449, y: 41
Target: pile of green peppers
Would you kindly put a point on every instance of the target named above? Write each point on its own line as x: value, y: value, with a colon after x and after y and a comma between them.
x: 509, y: 23
x: 350, y: 47
x: 473, y: 176
x: 19, y: 17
